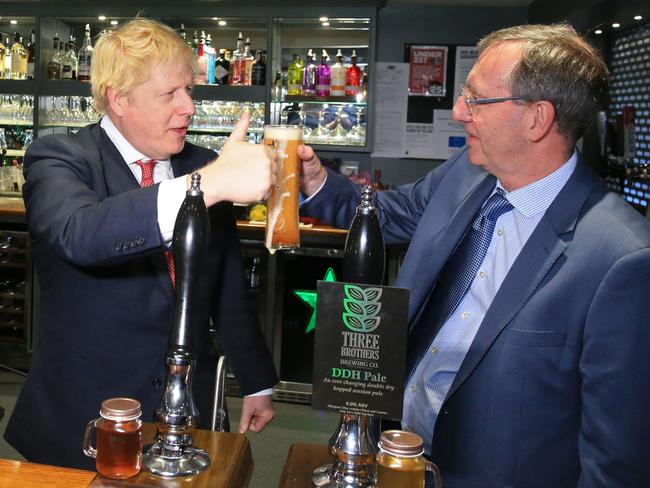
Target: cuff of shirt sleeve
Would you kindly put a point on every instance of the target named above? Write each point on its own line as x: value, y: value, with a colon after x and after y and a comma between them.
x: 302, y: 199
x: 268, y: 391
x: 171, y: 194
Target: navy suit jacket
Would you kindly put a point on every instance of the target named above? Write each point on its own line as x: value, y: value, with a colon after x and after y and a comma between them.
x: 106, y: 299
x: 555, y: 388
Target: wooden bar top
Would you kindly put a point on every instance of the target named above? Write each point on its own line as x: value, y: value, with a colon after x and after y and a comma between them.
x: 302, y: 460
x: 230, y: 455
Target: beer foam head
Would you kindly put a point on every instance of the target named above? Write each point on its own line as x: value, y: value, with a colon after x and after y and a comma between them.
x: 284, y: 132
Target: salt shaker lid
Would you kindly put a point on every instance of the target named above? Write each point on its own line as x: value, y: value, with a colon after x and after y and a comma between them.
x: 401, y: 443
x: 120, y: 409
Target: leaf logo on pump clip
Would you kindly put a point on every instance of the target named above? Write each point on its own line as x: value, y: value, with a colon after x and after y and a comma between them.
x: 362, y: 308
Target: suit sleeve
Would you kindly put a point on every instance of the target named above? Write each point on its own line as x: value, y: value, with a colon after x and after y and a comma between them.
x: 399, y: 211
x: 615, y: 373
x: 235, y: 316
x: 67, y: 206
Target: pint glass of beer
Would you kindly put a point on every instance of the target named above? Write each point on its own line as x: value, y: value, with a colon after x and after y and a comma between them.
x: 282, y: 230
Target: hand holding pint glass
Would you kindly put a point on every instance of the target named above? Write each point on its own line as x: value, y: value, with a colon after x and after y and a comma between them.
x: 282, y: 230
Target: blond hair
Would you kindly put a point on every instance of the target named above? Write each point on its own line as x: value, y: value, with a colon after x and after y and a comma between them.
x: 559, y: 66
x: 125, y: 58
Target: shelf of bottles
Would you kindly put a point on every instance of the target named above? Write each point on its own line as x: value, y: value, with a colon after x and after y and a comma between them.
x: 17, y: 48
x: 13, y: 261
x: 324, y: 87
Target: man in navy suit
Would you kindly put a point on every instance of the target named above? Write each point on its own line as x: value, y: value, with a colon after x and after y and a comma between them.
x: 540, y: 375
x: 101, y: 213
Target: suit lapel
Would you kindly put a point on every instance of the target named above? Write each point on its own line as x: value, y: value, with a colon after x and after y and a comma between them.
x: 119, y: 178
x: 546, y: 244
x: 430, y: 249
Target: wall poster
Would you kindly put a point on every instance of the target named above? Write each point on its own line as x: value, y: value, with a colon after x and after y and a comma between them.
x: 428, y: 70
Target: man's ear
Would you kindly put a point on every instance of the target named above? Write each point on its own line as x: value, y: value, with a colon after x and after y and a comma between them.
x: 540, y: 120
x: 115, y: 101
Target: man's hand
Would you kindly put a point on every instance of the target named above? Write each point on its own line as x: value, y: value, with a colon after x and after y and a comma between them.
x: 256, y: 412
x: 313, y: 173
x: 242, y: 173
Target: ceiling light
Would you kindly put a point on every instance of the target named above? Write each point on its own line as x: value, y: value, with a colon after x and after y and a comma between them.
x: 325, y: 24
x: 102, y: 17
x: 616, y: 25
x: 114, y: 22
x: 598, y: 32
x: 215, y: 18
x: 323, y: 19
x: 638, y: 17
x: 13, y: 22
x: 223, y: 22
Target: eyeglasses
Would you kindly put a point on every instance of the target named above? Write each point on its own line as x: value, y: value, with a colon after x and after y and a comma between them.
x: 469, y: 101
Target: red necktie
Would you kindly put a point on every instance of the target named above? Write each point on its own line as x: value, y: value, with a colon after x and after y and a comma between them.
x: 147, y: 180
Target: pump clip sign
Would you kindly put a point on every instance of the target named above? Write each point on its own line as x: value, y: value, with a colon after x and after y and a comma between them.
x: 428, y: 70
x: 360, y: 349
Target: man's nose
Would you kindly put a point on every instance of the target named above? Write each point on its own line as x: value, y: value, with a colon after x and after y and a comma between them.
x: 461, y: 112
x: 187, y: 105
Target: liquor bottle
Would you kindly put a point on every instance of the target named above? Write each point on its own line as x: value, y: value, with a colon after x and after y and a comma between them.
x: 16, y: 54
x: 69, y: 63
x: 254, y: 274
x: 7, y: 60
x: 278, y: 88
x: 183, y: 33
x: 337, y: 87
x: 309, y: 76
x: 31, y: 55
x: 211, y: 55
x: 353, y: 77
x: 259, y: 68
x: 377, y: 184
x: 85, y: 56
x: 22, y: 67
x: 364, y: 257
x: 195, y: 42
x: 237, y: 64
x: 249, y: 59
x: 295, y: 74
x: 201, y: 64
x: 221, y: 68
x: 323, y: 77
x: 54, y: 66
x: 2, y: 60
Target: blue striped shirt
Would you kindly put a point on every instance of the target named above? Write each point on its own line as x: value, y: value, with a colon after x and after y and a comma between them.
x: 427, y: 387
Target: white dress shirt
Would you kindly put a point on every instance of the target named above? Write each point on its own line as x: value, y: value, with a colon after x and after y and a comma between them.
x: 171, y: 191
x: 433, y: 376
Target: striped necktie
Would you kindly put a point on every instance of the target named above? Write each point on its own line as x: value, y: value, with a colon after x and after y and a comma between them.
x: 456, y: 277
x: 147, y: 167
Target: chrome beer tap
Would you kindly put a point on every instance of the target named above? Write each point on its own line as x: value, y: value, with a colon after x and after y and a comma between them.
x: 172, y: 453
x: 354, y: 444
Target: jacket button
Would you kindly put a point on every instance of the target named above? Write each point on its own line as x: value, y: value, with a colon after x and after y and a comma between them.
x: 156, y: 382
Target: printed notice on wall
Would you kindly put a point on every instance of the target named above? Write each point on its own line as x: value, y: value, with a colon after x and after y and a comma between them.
x: 390, y: 110
x: 448, y: 135
x: 466, y: 56
x: 428, y: 70
x: 360, y: 349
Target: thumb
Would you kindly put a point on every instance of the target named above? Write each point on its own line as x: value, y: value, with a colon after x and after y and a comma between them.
x: 238, y: 134
x: 244, y: 421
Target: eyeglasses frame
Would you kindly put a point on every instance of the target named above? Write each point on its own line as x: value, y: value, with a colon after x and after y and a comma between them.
x: 482, y: 101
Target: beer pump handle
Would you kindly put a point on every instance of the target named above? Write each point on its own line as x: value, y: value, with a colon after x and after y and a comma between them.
x: 189, y: 243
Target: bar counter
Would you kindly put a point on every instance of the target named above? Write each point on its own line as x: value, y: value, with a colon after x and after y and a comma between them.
x: 230, y: 455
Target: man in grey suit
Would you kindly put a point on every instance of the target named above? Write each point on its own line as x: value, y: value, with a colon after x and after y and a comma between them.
x: 101, y: 206
x: 539, y: 375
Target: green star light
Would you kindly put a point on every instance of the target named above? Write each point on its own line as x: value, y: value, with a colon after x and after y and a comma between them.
x: 309, y: 297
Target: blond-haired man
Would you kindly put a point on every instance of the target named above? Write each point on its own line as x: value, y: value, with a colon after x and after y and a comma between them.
x: 100, y: 214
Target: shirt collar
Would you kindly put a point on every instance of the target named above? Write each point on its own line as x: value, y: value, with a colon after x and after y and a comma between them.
x: 538, y: 196
x: 130, y: 154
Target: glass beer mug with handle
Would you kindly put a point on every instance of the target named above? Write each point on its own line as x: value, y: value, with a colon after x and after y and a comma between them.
x: 400, y: 461
x: 119, y: 438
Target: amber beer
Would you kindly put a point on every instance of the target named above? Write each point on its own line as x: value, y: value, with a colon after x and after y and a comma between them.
x: 282, y: 231
x: 400, y: 461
